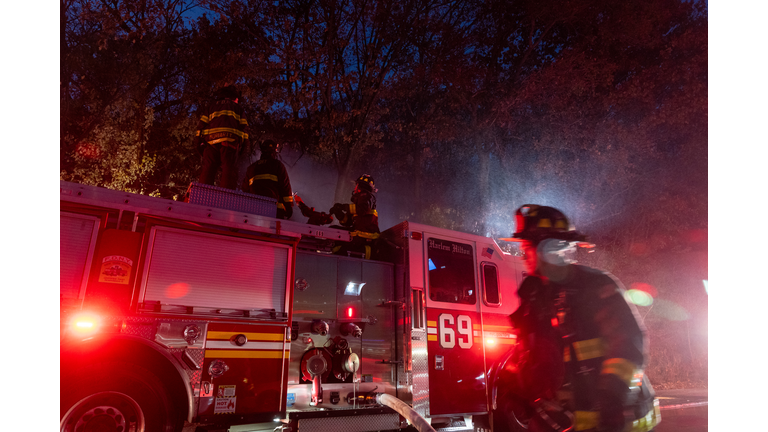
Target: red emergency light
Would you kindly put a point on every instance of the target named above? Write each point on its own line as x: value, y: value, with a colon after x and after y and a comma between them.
x: 350, y: 312
x: 85, y: 324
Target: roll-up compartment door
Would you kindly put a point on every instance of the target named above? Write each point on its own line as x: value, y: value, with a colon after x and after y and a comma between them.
x: 197, y: 269
x: 77, y: 241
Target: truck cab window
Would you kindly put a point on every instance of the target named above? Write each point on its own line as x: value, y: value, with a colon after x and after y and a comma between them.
x: 451, y: 272
x: 491, y: 284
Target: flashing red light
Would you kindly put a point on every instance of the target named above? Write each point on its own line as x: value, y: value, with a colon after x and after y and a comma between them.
x: 490, y: 341
x: 416, y: 235
x: 85, y: 324
x: 350, y: 311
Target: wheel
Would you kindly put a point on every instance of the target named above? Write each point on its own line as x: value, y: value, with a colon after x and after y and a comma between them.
x: 116, y: 397
x: 512, y: 415
x: 515, y: 415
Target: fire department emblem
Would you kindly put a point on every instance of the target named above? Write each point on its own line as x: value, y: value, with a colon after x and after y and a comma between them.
x: 115, y: 269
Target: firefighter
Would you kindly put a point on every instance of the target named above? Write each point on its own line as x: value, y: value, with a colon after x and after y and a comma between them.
x: 221, y: 133
x: 603, y: 340
x: 360, y: 217
x: 268, y: 177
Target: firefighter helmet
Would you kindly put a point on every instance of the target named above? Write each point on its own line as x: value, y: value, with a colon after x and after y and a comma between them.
x: 228, y: 92
x: 536, y: 223
x: 269, y: 146
x: 365, y: 182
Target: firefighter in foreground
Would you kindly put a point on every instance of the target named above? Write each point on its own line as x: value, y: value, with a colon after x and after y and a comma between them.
x: 600, y: 334
x: 268, y: 177
x: 221, y: 133
x: 360, y: 217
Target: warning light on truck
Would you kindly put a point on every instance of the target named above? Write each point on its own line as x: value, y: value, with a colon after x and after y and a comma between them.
x: 85, y: 324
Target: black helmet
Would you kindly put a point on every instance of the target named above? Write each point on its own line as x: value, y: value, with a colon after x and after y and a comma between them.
x: 228, y: 92
x: 365, y: 182
x: 269, y: 146
x: 536, y: 223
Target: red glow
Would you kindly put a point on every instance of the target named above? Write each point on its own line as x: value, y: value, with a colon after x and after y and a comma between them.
x: 639, y: 249
x: 644, y: 287
x: 349, y: 312
x: 177, y: 290
x: 85, y: 324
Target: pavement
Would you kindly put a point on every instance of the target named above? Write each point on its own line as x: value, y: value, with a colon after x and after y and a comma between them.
x: 683, y: 410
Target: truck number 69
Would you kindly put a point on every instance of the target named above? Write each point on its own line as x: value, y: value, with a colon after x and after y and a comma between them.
x: 447, y: 335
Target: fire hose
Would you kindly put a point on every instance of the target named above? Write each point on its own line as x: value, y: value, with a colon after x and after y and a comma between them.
x: 406, y: 411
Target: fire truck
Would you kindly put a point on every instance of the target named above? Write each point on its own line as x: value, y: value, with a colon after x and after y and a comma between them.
x: 210, y: 314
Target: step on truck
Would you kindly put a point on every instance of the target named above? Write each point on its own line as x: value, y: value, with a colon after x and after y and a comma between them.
x: 183, y: 315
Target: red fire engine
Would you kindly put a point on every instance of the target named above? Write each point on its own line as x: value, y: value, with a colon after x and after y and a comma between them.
x: 183, y: 313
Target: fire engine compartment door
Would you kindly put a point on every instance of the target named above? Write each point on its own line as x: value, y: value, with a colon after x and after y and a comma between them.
x: 77, y: 242
x: 457, y: 381
x: 216, y: 272
x: 254, y: 374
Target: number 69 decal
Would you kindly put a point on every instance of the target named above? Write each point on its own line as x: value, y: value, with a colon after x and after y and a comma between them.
x: 447, y: 335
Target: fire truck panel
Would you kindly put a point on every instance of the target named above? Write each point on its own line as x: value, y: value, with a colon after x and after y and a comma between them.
x: 243, y: 371
x: 356, y: 335
x: 78, y: 234
x: 188, y: 269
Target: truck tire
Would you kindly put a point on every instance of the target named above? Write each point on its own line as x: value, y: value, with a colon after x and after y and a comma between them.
x: 117, y: 396
x: 511, y: 415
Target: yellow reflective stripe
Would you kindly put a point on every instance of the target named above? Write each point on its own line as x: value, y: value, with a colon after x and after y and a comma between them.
x: 205, y: 119
x: 649, y: 421
x: 374, y: 212
x: 222, y: 335
x: 221, y: 140
x: 622, y: 368
x: 432, y: 338
x: 280, y: 206
x: 209, y: 353
x: 367, y: 252
x: 363, y: 234
x: 352, y: 208
x: 230, y: 113
x: 588, y: 349
x: 431, y: 323
x: 262, y: 177
x: 567, y: 353
x: 584, y: 420
x: 288, y: 199
x: 224, y: 129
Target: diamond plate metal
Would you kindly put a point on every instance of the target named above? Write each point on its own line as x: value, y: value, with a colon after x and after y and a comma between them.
x: 362, y: 423
x: 229, y: 199
x: 145, y: 328
x: 420, y: 371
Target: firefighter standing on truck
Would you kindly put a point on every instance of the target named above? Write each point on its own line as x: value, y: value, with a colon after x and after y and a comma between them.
x: 360, y: 217
x: 221, y: 133
x: 603, y: 339
x: 268, y: 177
